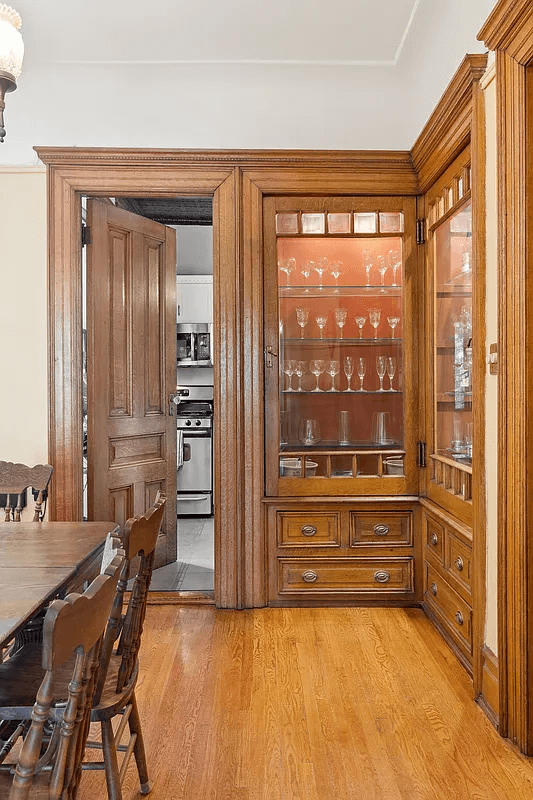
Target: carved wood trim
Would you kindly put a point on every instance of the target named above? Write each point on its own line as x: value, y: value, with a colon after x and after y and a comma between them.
x: 488, y: 698
x: 447, y: 131
x: 510, y: 27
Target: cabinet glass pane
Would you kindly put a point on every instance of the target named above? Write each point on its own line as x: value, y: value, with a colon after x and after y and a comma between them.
x: 453, y: 336
x: 341, y: 356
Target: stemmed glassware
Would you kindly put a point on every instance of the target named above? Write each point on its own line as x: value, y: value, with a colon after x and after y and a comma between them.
x: 335, y: 270
x: 374, y: 315
x: 382, y: 269
x: 391, y: 371
x: 306, y: 270
x: 395, y: 260
x: 361, y: 371
x: 348, y: 371
x: 287, y: 266
x: 340, y: 315
x: 393, y: 321
x: 317, y: 367
x: 302, y: 317
x: 360, y: 321
x: 301, y: 369
x: 333, y: 368
x: 321, y: 266
x: 381, y: 366
x: 368, y: 264
x: 321, y: 322
x: 289, y: 368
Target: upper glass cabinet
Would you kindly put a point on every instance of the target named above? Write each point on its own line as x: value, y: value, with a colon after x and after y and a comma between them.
x: 340, y: 310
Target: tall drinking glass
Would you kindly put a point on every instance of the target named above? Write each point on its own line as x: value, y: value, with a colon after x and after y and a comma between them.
x: 348, y: 371
x: 289, y: 369
x: 340, y: 315
x: 391, y: 371
x: 306, y: 270
x: 382, y: 268
x: 333, y: 368
x: 321, y: 266
x: 393, y: 321
x: 374, y: 315
x: 301, y: 369
x: 360, y: 322
x: 381, y: 366
x: 302, y: 317
x: 287, y: 266
x: 368, y: 264
x: 321, y: 322
x: 361, y: 372
x: 317, y: 367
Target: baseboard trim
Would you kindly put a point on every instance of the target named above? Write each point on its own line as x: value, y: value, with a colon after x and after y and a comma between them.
x: 488, y: 700
x: 181, y: 598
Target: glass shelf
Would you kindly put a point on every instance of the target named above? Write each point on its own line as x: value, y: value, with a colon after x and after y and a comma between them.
x: 341, y: 391
x: 339, y: 291
x: 364, y: 342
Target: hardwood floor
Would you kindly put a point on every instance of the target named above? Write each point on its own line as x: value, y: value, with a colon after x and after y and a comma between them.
x: 321, y: 704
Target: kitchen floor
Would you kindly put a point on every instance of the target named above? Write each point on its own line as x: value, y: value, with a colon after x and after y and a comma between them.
x: 194, y: 568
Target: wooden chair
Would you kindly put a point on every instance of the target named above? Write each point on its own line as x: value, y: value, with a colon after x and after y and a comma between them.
x: 72, y: 637
x: 15, y: 479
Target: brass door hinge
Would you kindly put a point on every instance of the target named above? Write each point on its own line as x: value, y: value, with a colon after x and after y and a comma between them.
x: 421, y: 231
x: 421, y: 454
x: 85, y: 235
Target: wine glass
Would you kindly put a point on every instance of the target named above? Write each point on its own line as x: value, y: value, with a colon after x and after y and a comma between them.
x: 301, y: 369
x: 382, y: 268
x: 340, y: 315
x: 287, y: 266
x: 348, y: 371
x: 289, y: 369
x: 374, y: 315
x: 317, y: 367
x: 381, y: 366
x: 393, y: 321
x: 321, y: 266
x: 306, y: 270
x: 360, y: 321
x: 302, y: 317
x: 368, y: 264
x: 391, y: 371
x: 333, y: 368
x: 361, y: 371
x: 321, y: 322
x: 395, y: 260
x: 335, y: 270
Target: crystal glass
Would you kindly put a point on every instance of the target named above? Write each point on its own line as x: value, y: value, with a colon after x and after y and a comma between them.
x: 374, y: 315
x: 395, y: 260
x: 287, y: 266
x: 306, y: 270
x: 368, y: 263
x: 308, y: 431
x: 301, y: 369
x: 321, y: 266
x: 321, y: 322
x: 340, y: 315
x: 302, y: 317
x: 393, y: 321
x: 391, y: 371
x: 360, y: 321
x: 289, y: 368
x: 333, y: 368
x: 335, y: 269
x: 381, y: 366
x: 361, y: 372
x: 348, y: 371
x: 382, y: 268
x: 317, y: 367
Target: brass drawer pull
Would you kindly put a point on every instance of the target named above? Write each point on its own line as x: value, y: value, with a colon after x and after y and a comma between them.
x: 459, y: 563
x: 309, y: 576
x: 381, y: 577
x: 434, y: 539
x: 381, y: 530
x: 459, y: 617
x: 308, y: 530
x: 433, y: 588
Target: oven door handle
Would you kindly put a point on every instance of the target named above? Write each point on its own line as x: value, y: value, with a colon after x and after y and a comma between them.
x: 186, y: 452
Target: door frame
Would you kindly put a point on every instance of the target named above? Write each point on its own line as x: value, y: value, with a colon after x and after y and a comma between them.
x: 237, y: 181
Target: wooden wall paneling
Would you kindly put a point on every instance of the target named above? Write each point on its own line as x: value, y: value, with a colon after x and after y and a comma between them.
x: 489, y: 693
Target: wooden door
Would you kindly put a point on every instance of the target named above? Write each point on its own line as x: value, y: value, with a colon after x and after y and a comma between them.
x: 131, y: 368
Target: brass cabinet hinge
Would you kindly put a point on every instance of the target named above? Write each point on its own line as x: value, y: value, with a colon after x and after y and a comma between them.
x: 421, y: 231
x: 421, y: 454
x: 85, y: 235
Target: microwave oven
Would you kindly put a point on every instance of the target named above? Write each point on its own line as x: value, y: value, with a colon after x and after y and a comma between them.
x: 195, y: 344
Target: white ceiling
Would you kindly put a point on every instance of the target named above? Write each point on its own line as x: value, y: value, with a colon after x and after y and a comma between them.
x: 325, y: 74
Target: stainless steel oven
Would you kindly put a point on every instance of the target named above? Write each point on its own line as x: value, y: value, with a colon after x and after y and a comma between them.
x: 195, y: 344
x: 194, y: 422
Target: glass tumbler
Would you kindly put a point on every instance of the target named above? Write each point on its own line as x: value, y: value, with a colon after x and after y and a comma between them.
x: 309, y: 431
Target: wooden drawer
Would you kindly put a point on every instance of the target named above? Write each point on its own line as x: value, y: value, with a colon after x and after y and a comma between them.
x: 434, y: 537
x: 381, y: 529
x: 341, y: 575
x: 316, y: 529
x: 450, y: 609
x: 459, y: 561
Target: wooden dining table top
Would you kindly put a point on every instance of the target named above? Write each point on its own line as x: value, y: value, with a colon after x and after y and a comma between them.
x: 40, y: 561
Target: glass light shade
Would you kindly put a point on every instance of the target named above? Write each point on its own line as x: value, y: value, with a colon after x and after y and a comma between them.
x: 11, y: 44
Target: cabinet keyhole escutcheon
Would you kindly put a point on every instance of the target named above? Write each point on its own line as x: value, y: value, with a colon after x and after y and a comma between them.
x: 309, y: 576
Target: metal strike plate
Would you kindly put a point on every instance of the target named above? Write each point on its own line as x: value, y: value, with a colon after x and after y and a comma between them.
x: 493, y: 359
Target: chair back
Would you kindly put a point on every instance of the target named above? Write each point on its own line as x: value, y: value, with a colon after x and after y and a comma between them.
x: 15, y: 479
x: 72, y: 627
x: 139, y: 539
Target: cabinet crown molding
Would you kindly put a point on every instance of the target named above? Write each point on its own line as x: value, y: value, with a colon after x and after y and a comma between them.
x: 510, y: 28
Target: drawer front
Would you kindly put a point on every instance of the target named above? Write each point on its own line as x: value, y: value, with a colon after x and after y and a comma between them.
x: 460, y: 561
x: 316, y: 529
x: 434, y: 537
x: 381, y: 529
x: 341, y: 575
x: 451, y: 609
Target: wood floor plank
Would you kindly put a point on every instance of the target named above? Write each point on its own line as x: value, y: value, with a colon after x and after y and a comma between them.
x: 311, y: 704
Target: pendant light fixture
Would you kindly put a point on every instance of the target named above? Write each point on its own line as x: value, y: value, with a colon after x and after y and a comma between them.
x: 11, y: 54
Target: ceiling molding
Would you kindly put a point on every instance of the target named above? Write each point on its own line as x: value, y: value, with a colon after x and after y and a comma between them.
x: 510, y: 28
x: 447, y: 131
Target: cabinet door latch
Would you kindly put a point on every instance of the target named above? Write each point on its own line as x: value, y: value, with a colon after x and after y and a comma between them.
x: 270, y: 355
x: 421, y: 455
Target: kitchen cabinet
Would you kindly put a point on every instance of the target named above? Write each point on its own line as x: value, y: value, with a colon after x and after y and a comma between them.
x: 194, y: 298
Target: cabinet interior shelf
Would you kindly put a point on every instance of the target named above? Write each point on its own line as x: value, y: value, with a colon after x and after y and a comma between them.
x: 334, y: 449
x: 454, y: 291
x: 342, y: 391
x: 339, y: 291
x: 364, y: 342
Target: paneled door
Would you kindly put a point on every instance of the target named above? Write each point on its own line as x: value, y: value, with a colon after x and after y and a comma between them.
x: 131, y: 368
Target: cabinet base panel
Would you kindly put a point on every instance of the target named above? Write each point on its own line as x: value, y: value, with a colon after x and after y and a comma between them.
x: 462, y: 658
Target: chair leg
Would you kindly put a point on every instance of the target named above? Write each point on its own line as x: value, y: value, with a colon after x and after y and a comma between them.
x: 112, y: 774
x: 138, y: 751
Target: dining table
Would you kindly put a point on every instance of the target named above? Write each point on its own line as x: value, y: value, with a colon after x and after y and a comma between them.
x: 40, y: 561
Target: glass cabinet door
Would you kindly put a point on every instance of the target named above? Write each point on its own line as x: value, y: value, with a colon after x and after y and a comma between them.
x: 341, y: 321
